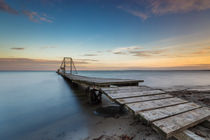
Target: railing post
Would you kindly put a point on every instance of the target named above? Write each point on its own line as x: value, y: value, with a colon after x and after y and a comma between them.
x: 71, y: 65
x: 64, y: 65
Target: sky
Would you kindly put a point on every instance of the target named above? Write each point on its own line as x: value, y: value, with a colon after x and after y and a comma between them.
x: 105, y: 34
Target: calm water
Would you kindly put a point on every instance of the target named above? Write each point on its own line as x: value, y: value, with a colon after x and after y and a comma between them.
x: 160, y: 79
x: 30, y: 101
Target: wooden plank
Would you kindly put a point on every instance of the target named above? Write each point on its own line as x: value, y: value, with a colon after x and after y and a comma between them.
x: 135, y: 94
x: 175, y: 124
x: 143, y: 98
x: 157, y: 114
x: 129, y: 90
x: 187, y: 135
x: 124, y: 91
x: 125, y: 88
x: 149, y: 105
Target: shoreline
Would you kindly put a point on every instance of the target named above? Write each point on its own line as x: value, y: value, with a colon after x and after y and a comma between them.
x: 117, y: 127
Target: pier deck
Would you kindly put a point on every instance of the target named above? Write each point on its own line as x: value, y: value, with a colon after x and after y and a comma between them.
x: 166, y: 114
x: 100, y: 82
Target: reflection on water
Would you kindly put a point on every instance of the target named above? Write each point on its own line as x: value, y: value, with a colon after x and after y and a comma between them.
x: 30, y: 101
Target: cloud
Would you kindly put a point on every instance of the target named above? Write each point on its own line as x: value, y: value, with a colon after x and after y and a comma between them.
x: 84, y: 64
x: 6, y: 8
x: 37, y: 64
x: 138, y: 51
x: 45, y: 19
x: 90, y: 55
x: 27, y: 64
x: 17, y: 48
x: 187, y: 67
x: 136, y: 13
x: 161, y: 7
x: 35, y: 17
x: 85, y: 61
x: 125, y: 50
x: 202, y: 51
x: 147, y: 53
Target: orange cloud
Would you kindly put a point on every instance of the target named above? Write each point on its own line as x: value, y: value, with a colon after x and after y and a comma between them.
x: 37, y: 64
x: 203, y: 51
x: 198, y: 63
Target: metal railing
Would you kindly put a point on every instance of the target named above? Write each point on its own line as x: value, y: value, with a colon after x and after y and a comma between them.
x: 67, y: 66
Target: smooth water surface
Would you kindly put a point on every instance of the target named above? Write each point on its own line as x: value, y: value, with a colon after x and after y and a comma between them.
x: 159, y: 79
x: 30, y: 101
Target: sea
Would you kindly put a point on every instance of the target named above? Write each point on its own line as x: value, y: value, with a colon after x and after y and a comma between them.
x: 33, y: 100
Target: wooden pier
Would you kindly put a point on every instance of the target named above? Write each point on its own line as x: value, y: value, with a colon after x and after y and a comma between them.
x: 168, y: 115
x: 101, y: 82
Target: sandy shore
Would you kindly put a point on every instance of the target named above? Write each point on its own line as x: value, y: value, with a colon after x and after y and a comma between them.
x: 109, y: 123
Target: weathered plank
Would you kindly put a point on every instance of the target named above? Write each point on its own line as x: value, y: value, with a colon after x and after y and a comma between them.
x: 149, y: 105
x: 175, y: 124
x: 135, y: 94
x: 130, y: 90
x: 125, y: 88
x: 157, y: 114
x: 143, y: 98
x: 188, y: 135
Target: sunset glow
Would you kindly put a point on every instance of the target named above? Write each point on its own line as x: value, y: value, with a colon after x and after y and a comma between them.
x: 105, y: 34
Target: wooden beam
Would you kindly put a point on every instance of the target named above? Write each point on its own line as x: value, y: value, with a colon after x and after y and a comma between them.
x: 155, y: 104
x: 125, y: 88
x: 135, y: 94
x: 175, y: 124
x: 161, y: 113
x: 143, y: 98
x: 129, y: 90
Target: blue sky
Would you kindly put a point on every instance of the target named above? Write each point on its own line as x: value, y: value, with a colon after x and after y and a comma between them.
x: 106, y: 34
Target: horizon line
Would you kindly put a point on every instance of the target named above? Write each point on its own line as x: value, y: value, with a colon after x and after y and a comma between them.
x: 105, y: 70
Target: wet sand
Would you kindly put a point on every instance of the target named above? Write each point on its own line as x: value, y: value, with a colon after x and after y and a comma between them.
x: 107, y: 122
x: 199, y: 97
